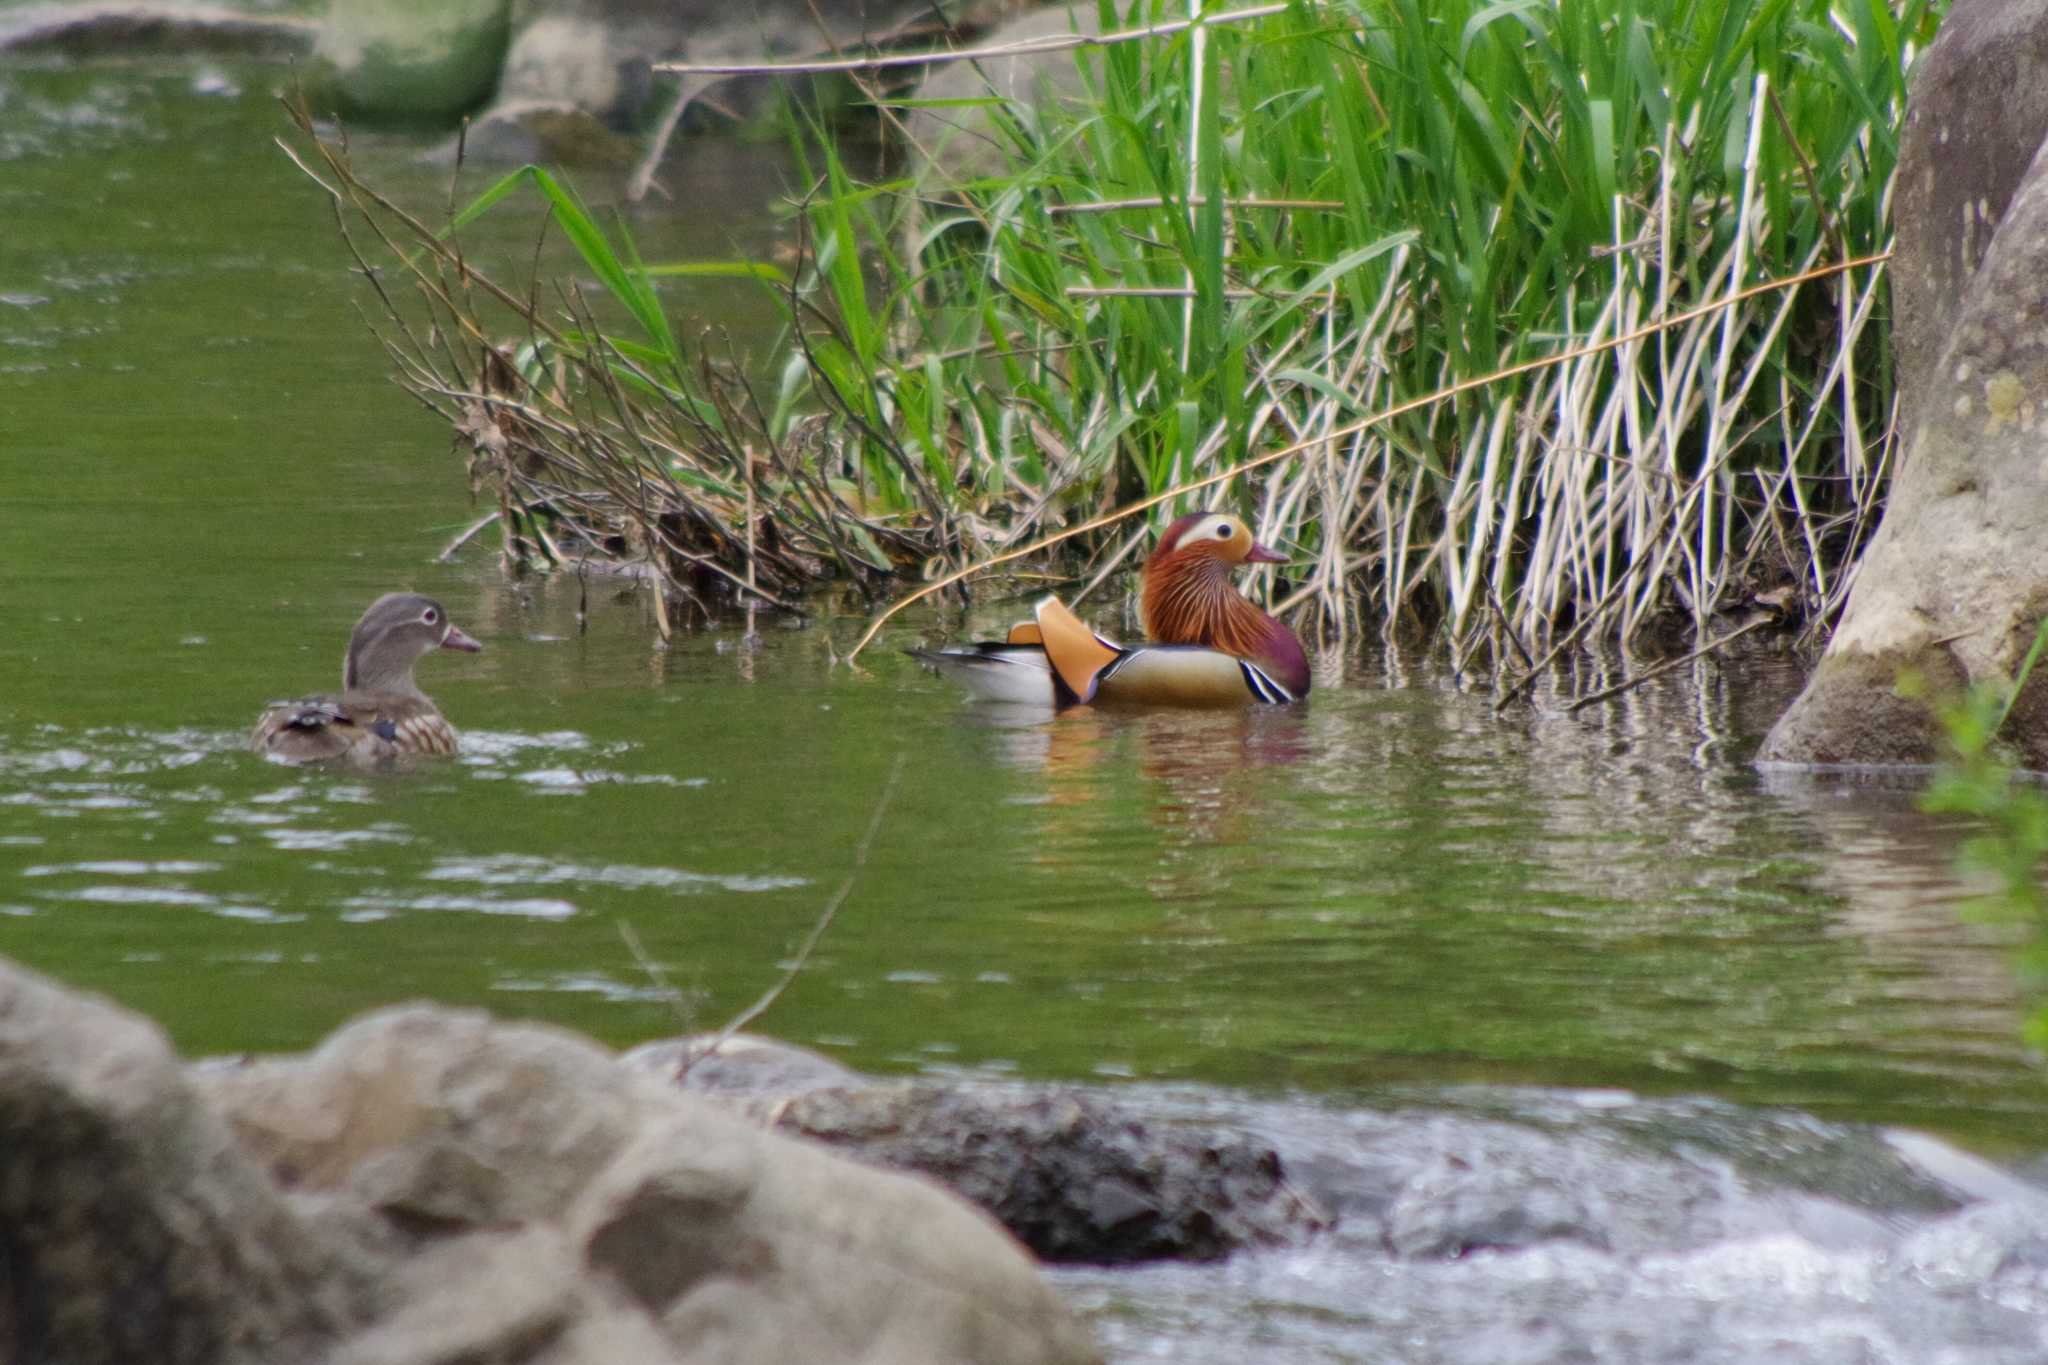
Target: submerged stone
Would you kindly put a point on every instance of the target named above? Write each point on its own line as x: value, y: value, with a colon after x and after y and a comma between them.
x: 1073, y: 1174
x: 402, y: 61
x: 1478, y: 1226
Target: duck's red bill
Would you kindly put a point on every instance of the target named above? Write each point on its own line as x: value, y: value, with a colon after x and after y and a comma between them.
x: 455, y: 639
x: 1259, y: 554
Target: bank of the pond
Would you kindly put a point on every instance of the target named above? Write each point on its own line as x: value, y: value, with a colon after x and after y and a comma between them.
x: 1218, y: 259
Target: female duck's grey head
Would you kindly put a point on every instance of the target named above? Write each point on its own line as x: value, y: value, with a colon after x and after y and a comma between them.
x: 398, y: 628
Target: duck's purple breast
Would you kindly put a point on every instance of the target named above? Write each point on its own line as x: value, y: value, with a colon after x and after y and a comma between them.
x: 1284, y: 658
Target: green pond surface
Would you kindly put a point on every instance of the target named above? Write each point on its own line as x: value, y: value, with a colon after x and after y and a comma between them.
x: 206, y: 473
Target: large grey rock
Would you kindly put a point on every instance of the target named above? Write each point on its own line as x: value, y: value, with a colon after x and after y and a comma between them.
x: 563, y: 1199
x: 132, y: 1227
x: 438, y: 1119
x: 745, y: 1064
x: 434, y: 1188
x: 1956, y: 581
x: 754, y: 1251
x: 1978, y: 112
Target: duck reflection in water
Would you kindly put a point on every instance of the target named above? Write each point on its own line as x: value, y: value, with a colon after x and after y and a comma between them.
x: 1200, y: 771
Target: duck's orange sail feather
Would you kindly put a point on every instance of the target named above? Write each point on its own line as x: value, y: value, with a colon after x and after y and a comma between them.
x: 1078, y: 654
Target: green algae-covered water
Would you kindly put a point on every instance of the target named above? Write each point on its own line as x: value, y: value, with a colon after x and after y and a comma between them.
x: 205, y: 474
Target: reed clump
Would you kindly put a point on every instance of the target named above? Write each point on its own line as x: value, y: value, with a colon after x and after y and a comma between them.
x: 1259, y: 233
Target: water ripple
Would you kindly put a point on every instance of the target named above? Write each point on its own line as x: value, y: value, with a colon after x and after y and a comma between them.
x: 174, y: 897
x: 363, y: 909
x: 122, y: 867
x: 585, y: 983
x: 522, y: 869
x: 292, y: 840
x: 572, y: 781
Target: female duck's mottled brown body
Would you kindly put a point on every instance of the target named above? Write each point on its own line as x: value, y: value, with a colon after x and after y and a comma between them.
x: 1210, y: 646
x: 380, y: 713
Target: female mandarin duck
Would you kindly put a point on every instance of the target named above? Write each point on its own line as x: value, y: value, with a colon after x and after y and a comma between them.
x: 1210, y: 647
x: 381, y: 713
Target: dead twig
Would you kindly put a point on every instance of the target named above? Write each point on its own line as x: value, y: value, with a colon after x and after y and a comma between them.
x: 1195, y: 201
x: 1024, y: 48
x: 655, y: 974
x: 825, y: 917
x: 1639, y: 679
x: 1137, y: 291
x: 456, y: 544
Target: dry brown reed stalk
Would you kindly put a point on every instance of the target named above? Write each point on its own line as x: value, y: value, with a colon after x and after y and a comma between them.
x: 830, y: 911
x: 1757, y: 622
x: 1582, y: 548
x: 1197, y: 201
x: 1134, y: 291
x: 939, y: 56
x: 590, y: 452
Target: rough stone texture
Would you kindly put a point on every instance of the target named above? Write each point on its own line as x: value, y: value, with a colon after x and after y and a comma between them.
x: 1074, y: 1176
x: 745, y: 1063
x: 517, y: 1296
x: 753, y: 1252
x: 434, y: 1188
x: 1854, y: 710
x: 1979, y: 110
x: 438, y: 1119
x: 561, y: 1207
x: 1956, y: 579
x: 131, y: 1226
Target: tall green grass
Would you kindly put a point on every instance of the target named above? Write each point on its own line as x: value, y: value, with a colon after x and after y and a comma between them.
x: 1254, y: 236
x: 1496, y: 183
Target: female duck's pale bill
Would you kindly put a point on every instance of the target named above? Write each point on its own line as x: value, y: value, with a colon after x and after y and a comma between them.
x: 1213, y: 648
x: 380, y: 713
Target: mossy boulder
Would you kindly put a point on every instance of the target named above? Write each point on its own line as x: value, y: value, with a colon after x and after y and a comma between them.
x: 400, y: 61
x: 1955, y: 581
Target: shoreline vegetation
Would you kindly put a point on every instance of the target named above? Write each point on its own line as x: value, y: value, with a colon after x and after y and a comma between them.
x: 1518, y: 326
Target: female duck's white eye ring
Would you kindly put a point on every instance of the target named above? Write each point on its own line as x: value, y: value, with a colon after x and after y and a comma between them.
x: 431, y: 617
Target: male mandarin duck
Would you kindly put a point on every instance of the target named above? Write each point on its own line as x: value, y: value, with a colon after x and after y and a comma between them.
x: 381, y: 713
x: 1210, y: 647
